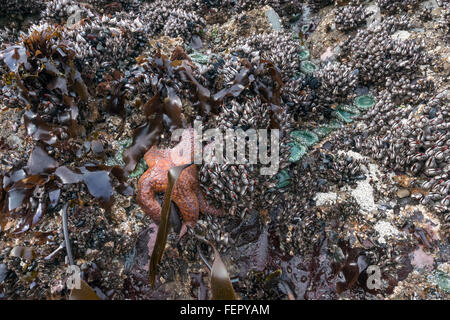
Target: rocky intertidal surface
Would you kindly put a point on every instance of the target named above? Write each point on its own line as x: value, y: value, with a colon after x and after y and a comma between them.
x: 356, y: 93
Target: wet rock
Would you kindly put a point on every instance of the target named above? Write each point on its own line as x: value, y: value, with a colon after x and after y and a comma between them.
x: 3, y: 272
x: 421, y: 259
x: 403, y: 193
x: 273, y: 18
x: 401, y: 35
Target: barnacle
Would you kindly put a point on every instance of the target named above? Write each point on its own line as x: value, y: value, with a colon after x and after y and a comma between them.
x: 319, y: 4
x: 350, y: 17
x: 10, y: 7
x: 277, y: 47
x: 393, y: 6
x: 337, y: 83
x: 380, y: 55
x: 175, y: 18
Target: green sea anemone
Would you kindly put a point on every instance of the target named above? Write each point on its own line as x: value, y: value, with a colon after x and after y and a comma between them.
x: 323, y: 131
x: 199, y: 57
x: 346, y: 113
x: 305, y: 137
x: 308, y: 67
x: 304, y: 28
x: 335, y: 124
x: 117, y: 160
x: 364, y: 102
x: 297, y: 152
x: 283, y: 179
x: 304, y: 54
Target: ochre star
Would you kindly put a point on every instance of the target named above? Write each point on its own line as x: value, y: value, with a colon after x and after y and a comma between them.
x: 187, y: 194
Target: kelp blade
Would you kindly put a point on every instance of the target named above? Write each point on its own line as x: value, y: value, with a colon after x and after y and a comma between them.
x: 84, y: 293
x: 221, y: 286
x: 163, y: 229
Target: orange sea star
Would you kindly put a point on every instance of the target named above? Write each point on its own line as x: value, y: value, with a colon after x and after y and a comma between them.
x: 186, y: 194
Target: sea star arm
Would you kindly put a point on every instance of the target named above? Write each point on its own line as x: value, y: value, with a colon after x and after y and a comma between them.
x: 152, y: 182
x: 185, y: 197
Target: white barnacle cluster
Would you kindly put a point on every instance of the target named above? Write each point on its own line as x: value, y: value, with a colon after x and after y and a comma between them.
x: 350, y: 17
x: 414, y: 140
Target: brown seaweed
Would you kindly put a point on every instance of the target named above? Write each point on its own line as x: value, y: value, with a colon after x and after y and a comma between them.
x: 97, y: 179
x: 144, y: 136
x: 166, y: 104
x: 85, y: 292
x: 350, y: 268
x: 40, y: 162
x: 14, y: 56
x: 47, y: 84
x: 19, y: 199
x: 163, y: 228
x: 116, y: 102
x: 221, y: 287
x: 39, y: 130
